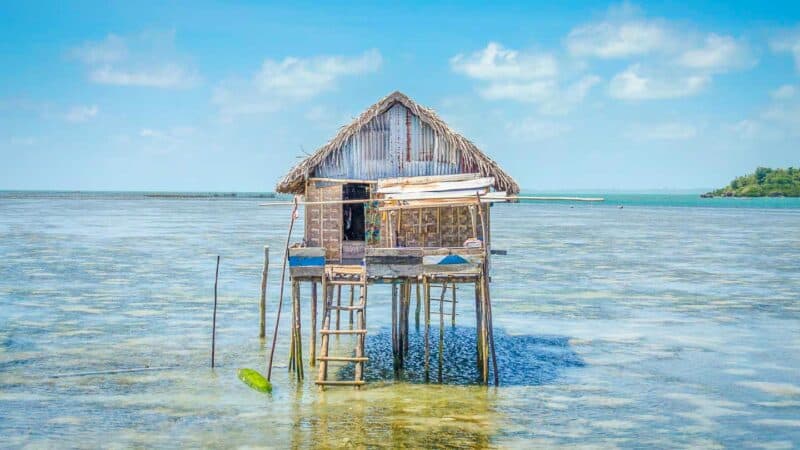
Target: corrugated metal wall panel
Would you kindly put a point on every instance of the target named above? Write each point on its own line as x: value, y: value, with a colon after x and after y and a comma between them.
x: 394, y: 144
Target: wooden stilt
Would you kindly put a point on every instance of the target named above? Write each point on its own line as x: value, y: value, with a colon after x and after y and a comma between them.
x: 484, y: 335
x: 427, y: 289
x: 405, y: 317
x: 487, y: 296
x: 338, y: 303
x: 394, y: 328
x: 441, y: 330
x: 292, y: 352
x: 478, y: 314
x: 360, y: 339
x: 312, y: 347
x: 298, y: 333
x: 352, y: 295
x: 453, y: 315
x: 491, y: 335
x: 419, y: 301
x: 322, y: 374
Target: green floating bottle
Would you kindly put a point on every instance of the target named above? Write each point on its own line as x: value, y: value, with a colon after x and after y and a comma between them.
x: 255, y: 380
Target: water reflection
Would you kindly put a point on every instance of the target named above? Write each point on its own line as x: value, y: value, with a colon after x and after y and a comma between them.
x: 523, y: 360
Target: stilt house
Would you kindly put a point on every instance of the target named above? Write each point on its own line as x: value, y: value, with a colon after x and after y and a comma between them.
x: 395, y: 197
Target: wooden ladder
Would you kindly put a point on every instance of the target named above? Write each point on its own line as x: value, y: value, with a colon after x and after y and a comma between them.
x: 342, y: 275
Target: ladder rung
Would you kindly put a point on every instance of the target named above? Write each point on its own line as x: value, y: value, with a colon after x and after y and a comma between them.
x: 345, y: 283
x: 343, y: 331
x: 347, y: 308
x: 343, y: 358
x: 341, y: 383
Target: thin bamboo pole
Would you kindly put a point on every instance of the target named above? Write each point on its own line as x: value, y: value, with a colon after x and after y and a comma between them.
x: 280, y: 297
x: 214, y: 317
x: 483, y: 200
x: 487, y: 295
x: 262, y: 304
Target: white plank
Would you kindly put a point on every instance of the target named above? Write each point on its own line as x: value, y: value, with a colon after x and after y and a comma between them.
x: 464, y: 193
x: 426, y: 179
x: 476, y: 183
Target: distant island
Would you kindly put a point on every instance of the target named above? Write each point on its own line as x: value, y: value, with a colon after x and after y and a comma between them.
x: 764, y: 182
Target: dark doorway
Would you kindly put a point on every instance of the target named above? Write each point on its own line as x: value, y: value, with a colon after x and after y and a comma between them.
x: 353, y: 213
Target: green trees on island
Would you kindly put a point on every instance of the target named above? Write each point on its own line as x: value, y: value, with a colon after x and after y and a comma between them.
x: 764, y: 182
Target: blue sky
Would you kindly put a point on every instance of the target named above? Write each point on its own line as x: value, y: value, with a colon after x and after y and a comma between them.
x: 211, y: 96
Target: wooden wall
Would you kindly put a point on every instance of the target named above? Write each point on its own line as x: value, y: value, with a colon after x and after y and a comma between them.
x: 324, y: 222
x: 432, y: 227
x: 445, y: 226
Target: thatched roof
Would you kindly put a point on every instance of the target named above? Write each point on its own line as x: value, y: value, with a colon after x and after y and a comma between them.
x: 294, y: 181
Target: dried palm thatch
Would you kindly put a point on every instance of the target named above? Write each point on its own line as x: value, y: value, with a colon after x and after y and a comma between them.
x: 294, y: 181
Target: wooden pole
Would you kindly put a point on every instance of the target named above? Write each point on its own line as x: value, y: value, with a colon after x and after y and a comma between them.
x: 214, y: 317
x: 453, y: 314
x: 362, y: 325
x: 312, y: 348
x: 352, y: 298
x: 280, y: 297
x: 339, y: 304
x: 394, y: 328
x: 298, y: 333
x: 478, y: 313
x: 419, y: 301
x: 326, y: 320
x: 262, y: 323
x: 427, y: 289
x: 441, y: 330
x: 484, y: 335
x: 487, y: 295
x: 405, y: 316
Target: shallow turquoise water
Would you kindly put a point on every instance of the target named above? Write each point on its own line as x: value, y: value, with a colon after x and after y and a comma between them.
x: 657, y: 325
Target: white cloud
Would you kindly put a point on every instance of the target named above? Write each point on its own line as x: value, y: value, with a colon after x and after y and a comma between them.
x: 23, y: 141
x: 168, y: 140
x: 109, y: 50
x: 534, y: 91
x: 635, y: 84
x: 496, y: 62
x: 717, y: 54
x: 304, y: 78
x: 609, y: 39
x: 292, y: 79
x: 573, y: 95
x: 669, y: 131
x: 146, y: 60
x: 784, y: 92
x: 165, y: 76
x: 788, y: 42
x: 81, y: 113
x: 747, y: 128
x: 679, y: 60
x: 533, y: 129
x: 528, y: 77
